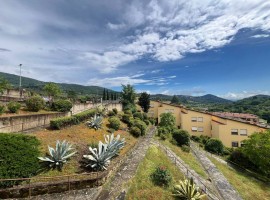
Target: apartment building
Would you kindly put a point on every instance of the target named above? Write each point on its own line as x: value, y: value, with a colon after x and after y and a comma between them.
x: 230, y: 130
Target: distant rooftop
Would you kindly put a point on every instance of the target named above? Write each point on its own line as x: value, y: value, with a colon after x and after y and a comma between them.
x: 236, y: 115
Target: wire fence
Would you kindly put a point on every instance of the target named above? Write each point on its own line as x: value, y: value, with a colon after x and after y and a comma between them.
x: 188, y: 173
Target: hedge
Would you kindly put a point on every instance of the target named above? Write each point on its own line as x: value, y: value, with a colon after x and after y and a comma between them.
x: 62, y: 105
x: 18, y: 158
x: 63, y: 122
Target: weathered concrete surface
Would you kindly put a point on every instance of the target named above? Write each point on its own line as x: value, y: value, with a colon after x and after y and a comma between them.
x: 116, y: 188
x: 182, y: 166
x: 224, y: 188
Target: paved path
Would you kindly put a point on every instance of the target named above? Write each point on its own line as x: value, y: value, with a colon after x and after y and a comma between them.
x: 187, y: 171
x: 222, y: 185
x: 115, y: 189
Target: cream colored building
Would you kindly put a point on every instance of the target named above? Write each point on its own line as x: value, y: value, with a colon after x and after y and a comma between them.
x: 230, y: 131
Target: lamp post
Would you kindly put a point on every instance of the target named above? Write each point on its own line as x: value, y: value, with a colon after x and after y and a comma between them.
x: 20, y: 76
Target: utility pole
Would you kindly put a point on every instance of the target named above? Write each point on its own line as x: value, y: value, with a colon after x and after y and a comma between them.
x: 20, y: 76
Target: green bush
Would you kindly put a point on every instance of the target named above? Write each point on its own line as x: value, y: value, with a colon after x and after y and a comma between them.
x: 18, y: 157
x: 2, y: 109
x: 185, y: 148
x: 35, y: 103
x: 214, y: 146
x: 161, y: 176
x: 152, y: 120
x: 111, y: 113
x: 114, y: 123
x: 129, y: 112
x: 145, y: 117
x: 62, y: 105
x: 239, y: 158
x: 141, y: 125
x: 138, y: 115
x: 126, y: 118
x: 13, y: 107
x: 146, y: 122
x: 135, y: 131
x: 63, y: 122
x: 163, y: 132
x: 182, y: 137
x: 204, y: 139
x: 115, y: 110
x: 195, y: 138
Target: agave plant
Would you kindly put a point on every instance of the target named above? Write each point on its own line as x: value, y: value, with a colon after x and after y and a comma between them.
x: 95, y: 122
x: 187, y: 190
x: 100, y: 157
x: 59, y: 155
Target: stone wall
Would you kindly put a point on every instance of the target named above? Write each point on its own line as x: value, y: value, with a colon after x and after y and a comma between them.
x: 18, y: 123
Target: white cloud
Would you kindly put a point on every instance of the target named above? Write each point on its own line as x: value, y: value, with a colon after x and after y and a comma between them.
x: 243, y: 94
x: 116, y: 26
x: 261, y: 36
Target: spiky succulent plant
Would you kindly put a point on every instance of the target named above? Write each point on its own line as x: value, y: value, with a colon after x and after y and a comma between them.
x: 95, y: 122
x: 100, y: 157
x: 188, y: 190
x: 59, y: 155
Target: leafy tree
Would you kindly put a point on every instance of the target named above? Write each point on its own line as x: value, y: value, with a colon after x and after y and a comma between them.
x: 175, y: 100
x: 111, y: 96
x: 114, y: 97
x: 182, y: 137
x: 52, y: 90
x: 35, y: 103
x: 167, y: 119
x: 107, y: 96
x: 72, y: 95
x: 257, y: 149
x: 4, y: 85
x: 214, y: 145
x: 128, y: 96
x: 104, y: 94
x: 144, y: 101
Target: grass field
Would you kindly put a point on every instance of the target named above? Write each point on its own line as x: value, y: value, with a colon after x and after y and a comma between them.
x: 188, y: 158
x: 141, y: 186
x: 248, y: 187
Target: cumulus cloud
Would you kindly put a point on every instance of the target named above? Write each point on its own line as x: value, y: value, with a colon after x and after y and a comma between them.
x: 261, y: 36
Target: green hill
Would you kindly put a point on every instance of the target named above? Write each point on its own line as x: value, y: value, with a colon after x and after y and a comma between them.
x: 36, y: 85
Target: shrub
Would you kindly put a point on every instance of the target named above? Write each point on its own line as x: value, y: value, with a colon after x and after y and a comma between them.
x: 18, y: 158
x: 146, y: 122
x: 128, y: 112
x: 182, y: 137
x: 13, y: 107
x: 145, y: 117
x: 141, y: 125
x: 214, y: 145
x: 185, y: 148
x: 135, y: 131
x: 111, y: 113
x: 62, y: 122
x: 138, y: 115
x: 35, y: 103
x: 163, y: 132
x: 195, y: 138
x: 152, y: 120
x: 115, y: 110
x: 239, y: 158
x: 114, y: 123
x: 227, y: 151
x: 126, y: 118
x: 62, y: 105
x: 161, y: 176
x: 204, y: 139
x: 2, y: 109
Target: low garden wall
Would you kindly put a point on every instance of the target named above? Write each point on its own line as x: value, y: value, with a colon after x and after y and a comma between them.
x: 18, y: 123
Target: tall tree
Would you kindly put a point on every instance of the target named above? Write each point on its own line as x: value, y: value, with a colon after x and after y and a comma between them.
x: 52, y: 90
x: 104, y: 94
x: 144, y: 101
x: 114, y: 96
x: 175, y: 100
x: 4, y: 85
x: 128, y: 96
x: 72, y: 95
x: 107, y: 97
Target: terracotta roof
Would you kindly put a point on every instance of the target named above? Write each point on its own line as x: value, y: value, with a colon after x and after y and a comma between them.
x: 236, y: 115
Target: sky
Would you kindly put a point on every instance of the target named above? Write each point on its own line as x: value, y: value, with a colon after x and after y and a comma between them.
x: 194, y: 47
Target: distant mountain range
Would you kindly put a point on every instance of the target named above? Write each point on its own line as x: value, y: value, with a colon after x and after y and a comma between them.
x: 35, y: 85
x: 205, y: 99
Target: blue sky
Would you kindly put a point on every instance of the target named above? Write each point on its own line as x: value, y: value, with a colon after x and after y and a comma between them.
x: 191, y: 47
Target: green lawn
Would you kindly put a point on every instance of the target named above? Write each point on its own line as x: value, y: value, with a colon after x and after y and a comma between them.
x: 141, y: 186
x: 248, y: 187
x: 188, y: 158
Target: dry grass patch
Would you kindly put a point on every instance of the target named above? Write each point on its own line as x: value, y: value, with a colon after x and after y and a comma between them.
x: 248, y: 187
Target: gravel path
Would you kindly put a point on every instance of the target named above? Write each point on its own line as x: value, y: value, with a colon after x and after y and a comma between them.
x: 224, y: 188
x: 116, y: 188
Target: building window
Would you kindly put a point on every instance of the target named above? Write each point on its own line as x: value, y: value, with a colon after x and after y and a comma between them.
x: 193, y: 119
x: 235, y: 144
x: 194, y: 129
x: 243, y: 131
x: 242, y: 144
x: 234, y: 131
x: 200, y: 119
x: 200, y: 129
